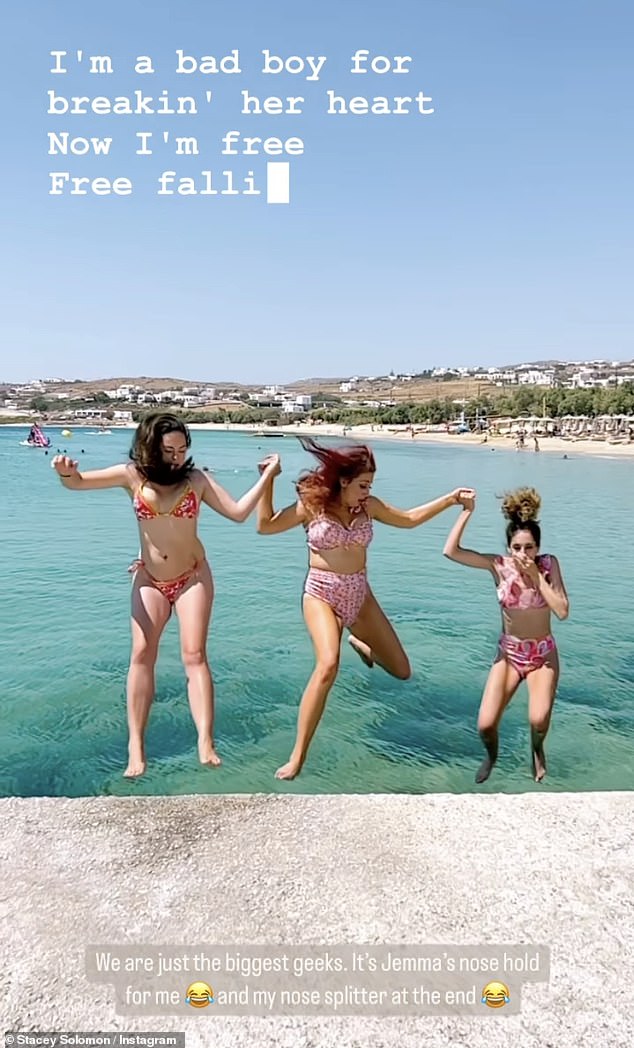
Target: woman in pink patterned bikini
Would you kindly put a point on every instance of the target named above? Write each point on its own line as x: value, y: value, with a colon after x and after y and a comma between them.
x: 171, y: 571
x: 337, y: 511
x: 529, y: 587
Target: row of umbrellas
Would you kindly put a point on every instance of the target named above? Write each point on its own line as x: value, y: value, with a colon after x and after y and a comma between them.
x: 571, y: 424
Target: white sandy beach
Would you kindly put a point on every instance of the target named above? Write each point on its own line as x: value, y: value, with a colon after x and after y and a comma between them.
x: 552, y: 445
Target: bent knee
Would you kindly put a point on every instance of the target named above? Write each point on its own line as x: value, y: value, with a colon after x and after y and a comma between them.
x: 402, y: 671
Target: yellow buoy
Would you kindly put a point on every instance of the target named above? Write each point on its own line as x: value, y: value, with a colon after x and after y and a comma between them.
x: 66, y: 433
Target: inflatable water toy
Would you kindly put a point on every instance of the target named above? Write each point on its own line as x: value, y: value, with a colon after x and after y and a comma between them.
x: 36, y: 438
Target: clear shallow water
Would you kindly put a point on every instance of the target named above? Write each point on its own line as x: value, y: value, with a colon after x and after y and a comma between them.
x: 64, y: 640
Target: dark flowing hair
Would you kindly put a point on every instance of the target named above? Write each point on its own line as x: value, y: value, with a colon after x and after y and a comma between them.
x: 319, y: 487
x: 146, y: 452
x: 520, y: 508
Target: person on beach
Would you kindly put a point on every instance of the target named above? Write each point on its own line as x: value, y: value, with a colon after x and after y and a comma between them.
x: 529, y: 587
x: 171, y: 571
x: 337, y: 510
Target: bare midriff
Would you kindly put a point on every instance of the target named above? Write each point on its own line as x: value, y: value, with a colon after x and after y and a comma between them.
x: 343, y: 560
x: 169, y: 546
x: 526, y: 623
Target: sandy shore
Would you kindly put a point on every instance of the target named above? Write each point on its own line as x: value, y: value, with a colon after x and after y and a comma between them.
x: 551, y: 445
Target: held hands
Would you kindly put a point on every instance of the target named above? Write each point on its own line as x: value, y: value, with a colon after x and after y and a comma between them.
x: 464, y: 497
x: 270, y: 466
x: 64, y: 466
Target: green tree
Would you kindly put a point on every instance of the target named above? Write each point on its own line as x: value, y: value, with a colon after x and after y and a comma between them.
x: 39, y: 403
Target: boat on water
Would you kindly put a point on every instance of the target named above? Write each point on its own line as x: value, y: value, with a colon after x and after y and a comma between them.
x: 268, y: 433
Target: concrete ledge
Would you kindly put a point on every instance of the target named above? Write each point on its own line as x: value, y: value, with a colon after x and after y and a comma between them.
x: 555, y: 869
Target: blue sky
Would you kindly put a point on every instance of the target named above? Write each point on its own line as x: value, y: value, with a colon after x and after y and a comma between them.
x: 496, y: 230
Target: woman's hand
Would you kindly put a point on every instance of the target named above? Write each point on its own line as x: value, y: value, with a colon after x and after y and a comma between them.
x: 65, y: 467
x: 464, y: 497
x: 527, y: 567
x: 270, y: 466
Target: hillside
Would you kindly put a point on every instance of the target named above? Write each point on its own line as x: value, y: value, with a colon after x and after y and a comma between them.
x: 377, y: 389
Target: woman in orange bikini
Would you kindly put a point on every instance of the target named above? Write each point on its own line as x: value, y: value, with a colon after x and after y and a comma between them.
x: 529, y: 587
x: 172, y: 571
x: 337, y: 511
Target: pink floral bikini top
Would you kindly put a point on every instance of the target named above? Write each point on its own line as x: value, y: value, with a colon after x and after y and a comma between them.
x: 187, y: 505
x: 325, y: 533
x: 512, y: 590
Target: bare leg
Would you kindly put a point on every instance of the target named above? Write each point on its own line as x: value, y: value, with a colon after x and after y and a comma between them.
x: 325, y: 630
x: 375, y: 640
x: 150, y: 612
x: 500, y: 687
x: 193, y: 607
x: 542, y: 686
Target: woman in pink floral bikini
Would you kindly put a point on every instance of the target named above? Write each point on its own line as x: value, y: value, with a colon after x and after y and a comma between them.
x: 529, y: 588
x: 337, y: 511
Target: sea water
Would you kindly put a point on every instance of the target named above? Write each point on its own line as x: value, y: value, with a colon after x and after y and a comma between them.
x: 64, y: 630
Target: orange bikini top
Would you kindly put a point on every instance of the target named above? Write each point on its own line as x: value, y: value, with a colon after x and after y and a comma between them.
x: 187, y: 505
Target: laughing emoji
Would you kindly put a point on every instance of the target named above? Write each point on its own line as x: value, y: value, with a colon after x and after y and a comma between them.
x: 495, y: 995
x: 199, y: 995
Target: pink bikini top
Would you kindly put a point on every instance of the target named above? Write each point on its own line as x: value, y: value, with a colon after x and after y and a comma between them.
x: 325, y: 533
x: 513, y: 591
x: 187, y: 505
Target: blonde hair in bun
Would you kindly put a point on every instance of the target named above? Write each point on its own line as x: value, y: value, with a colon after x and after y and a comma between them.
x: 521, y: 505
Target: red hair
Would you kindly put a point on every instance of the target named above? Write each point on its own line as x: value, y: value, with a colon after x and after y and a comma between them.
x: 319, y: 487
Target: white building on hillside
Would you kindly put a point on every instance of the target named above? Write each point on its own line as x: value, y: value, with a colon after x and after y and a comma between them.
x: 536, y: 377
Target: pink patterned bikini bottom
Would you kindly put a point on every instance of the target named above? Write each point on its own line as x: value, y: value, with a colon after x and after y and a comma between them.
x: 344, y: 593
x: 526, y: 655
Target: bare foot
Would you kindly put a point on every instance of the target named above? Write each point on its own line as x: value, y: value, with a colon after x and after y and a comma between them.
x: 291, y: 768
x: 207, y: 753
x: 484, y: 770
x: 136, y: 761
x: 539, y: 764
x: 362, y: 650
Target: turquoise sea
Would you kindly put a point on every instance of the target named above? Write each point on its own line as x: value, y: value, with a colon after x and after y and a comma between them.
x: 64, y: 640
